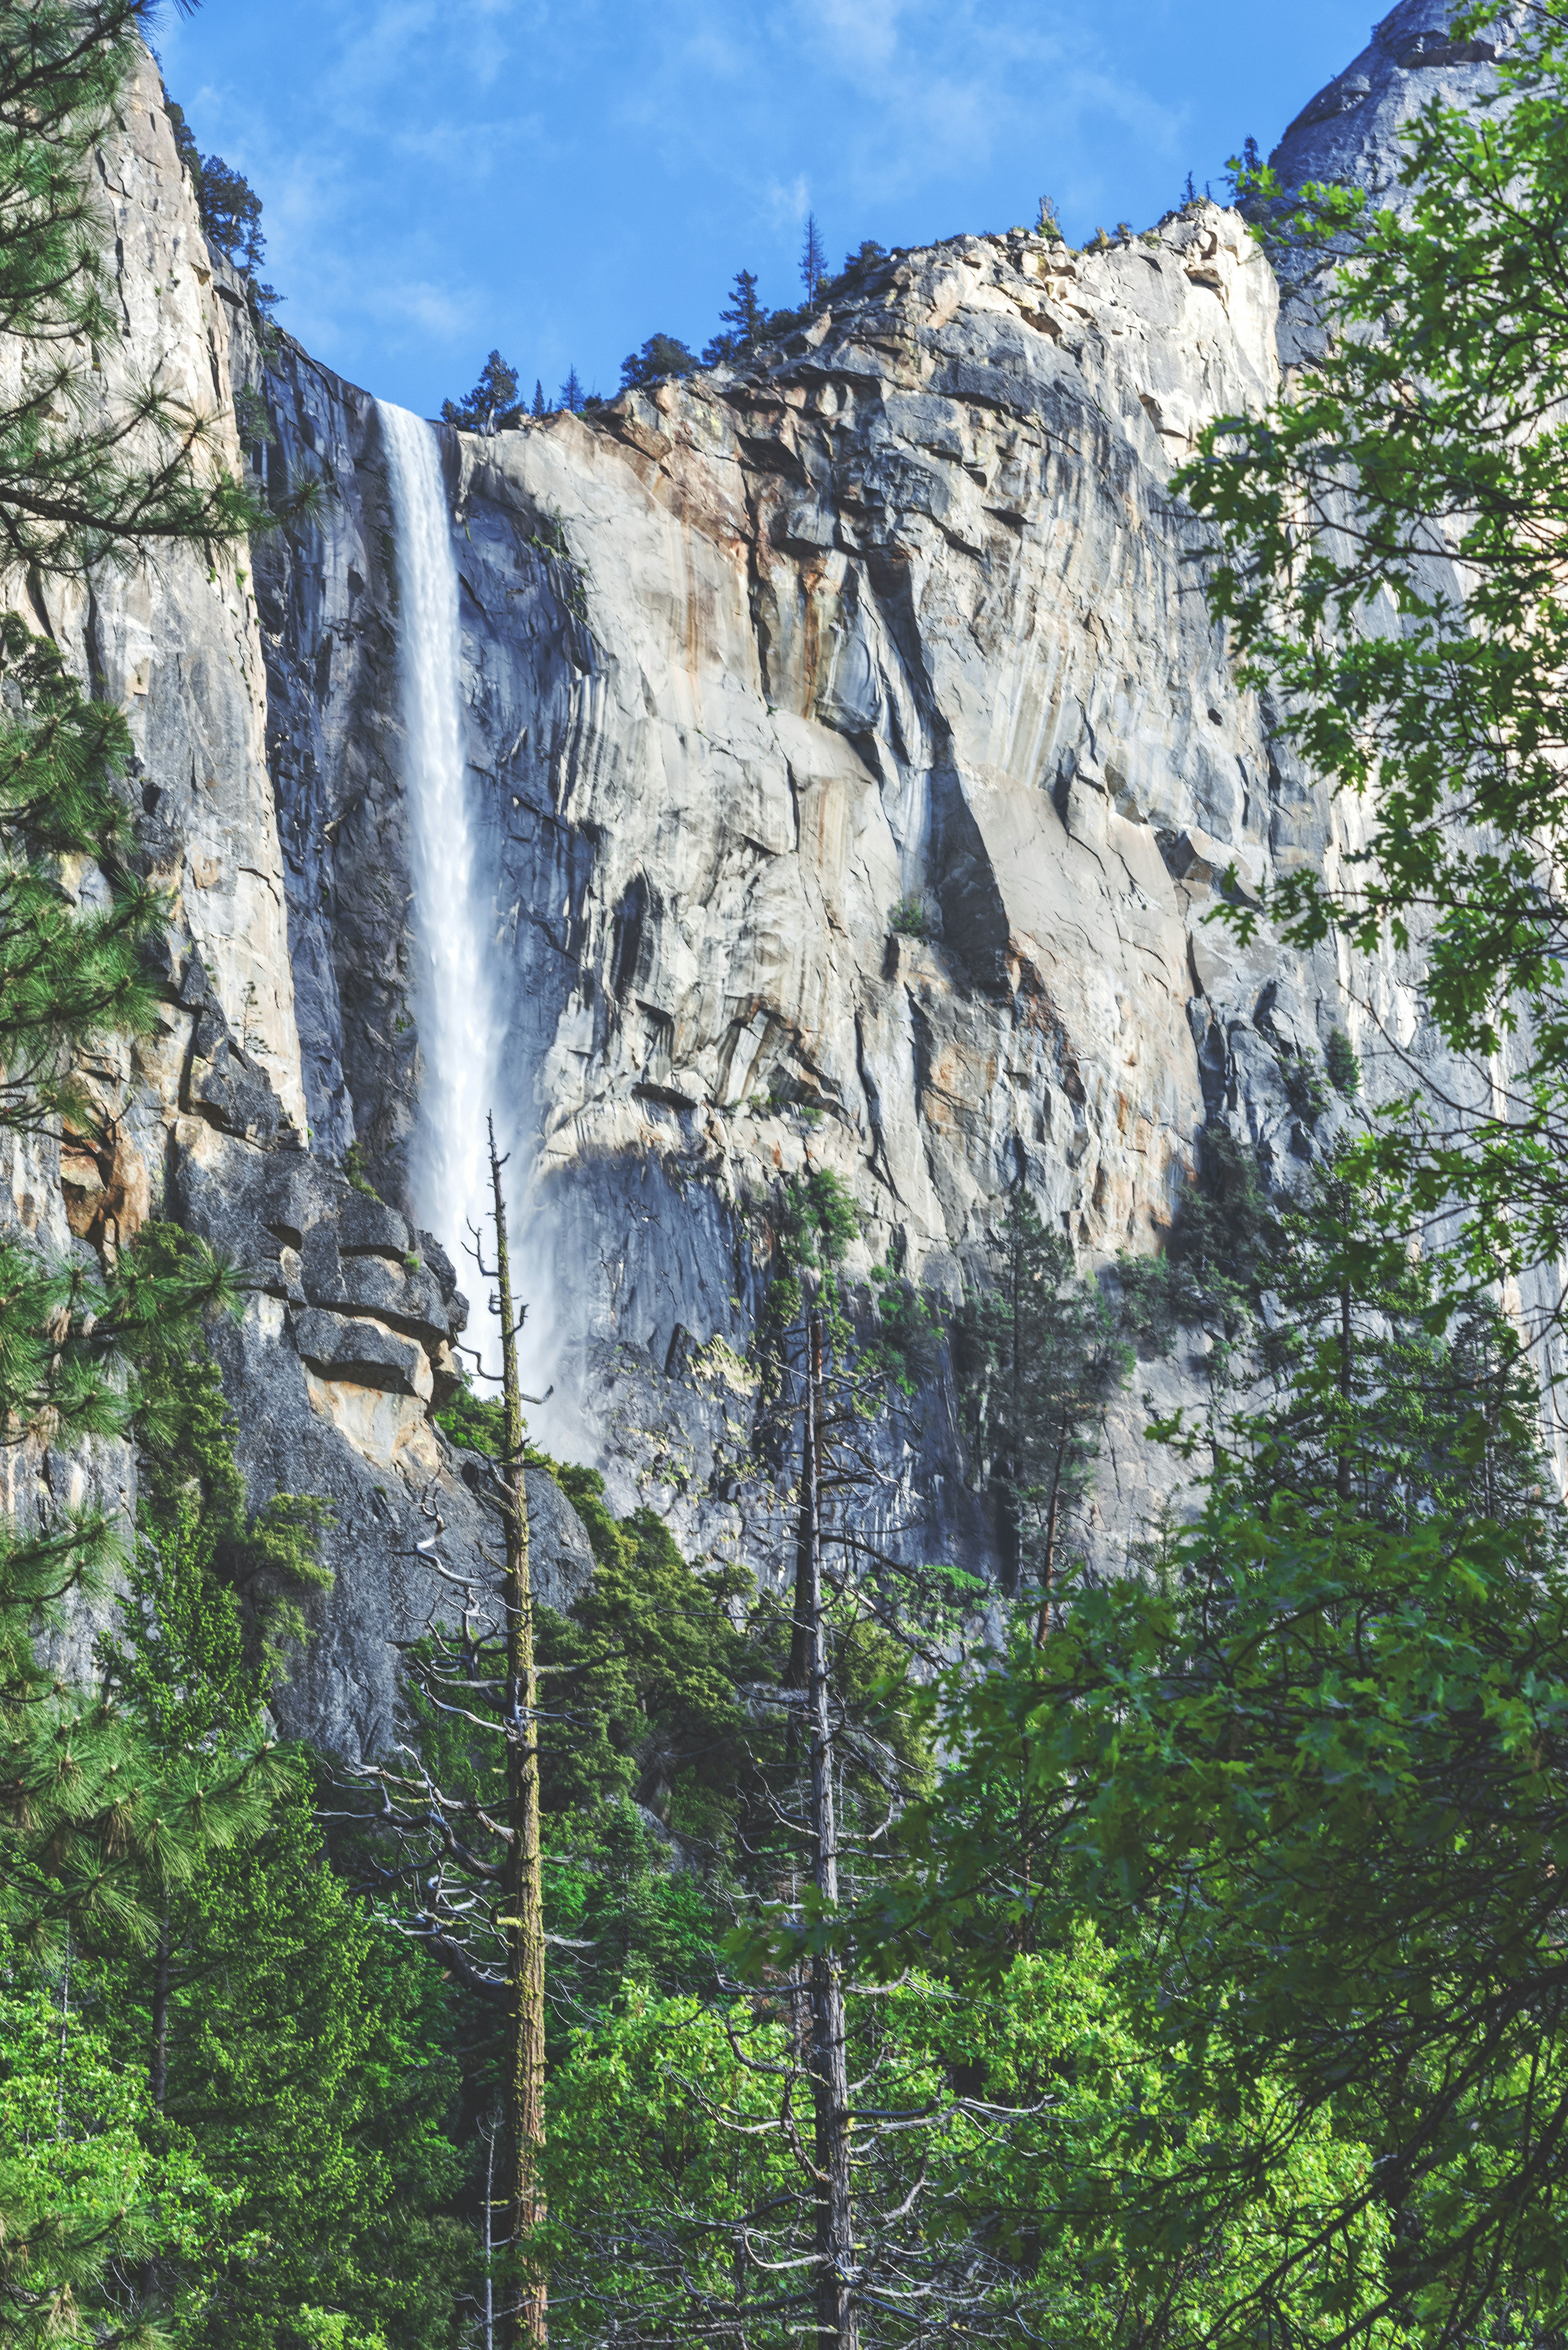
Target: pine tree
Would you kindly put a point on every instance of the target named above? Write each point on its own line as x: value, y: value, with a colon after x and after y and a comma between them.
x: 491, y: 402
x: 144, y: 469
x: 72, y: 1337
x: 1039, y: 1358
x: 812, y: 259
x: 741, y: 322
x: 867, y: 257
x: 231, y: 214
x: 538, y: 407
x: 744, y: 313
x: 97, y: 1818
x: 572, y: 392
x: 660, y: 356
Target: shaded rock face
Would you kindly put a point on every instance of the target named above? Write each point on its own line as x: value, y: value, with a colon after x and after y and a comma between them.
x: 345, y: 1339
x: 858, y: 774
x: 903, y: 620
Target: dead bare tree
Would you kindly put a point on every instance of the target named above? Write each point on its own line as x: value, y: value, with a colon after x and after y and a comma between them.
x: 835, y: 2316
x: 850, y: 2228
x: 455, y: 1865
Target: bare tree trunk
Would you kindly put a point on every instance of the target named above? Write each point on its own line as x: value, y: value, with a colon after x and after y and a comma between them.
x: 158, y: 2070
x: 489, y: 2240
x: 836, y: 2319
x: 797, y: 1673
x: 1343, y: 1480
x: 159, y: 2084
x: 1048, y: 1573
x: 525, y: 2066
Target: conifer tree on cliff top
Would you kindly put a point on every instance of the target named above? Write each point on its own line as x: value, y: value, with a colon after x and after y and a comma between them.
x: 812, y: 258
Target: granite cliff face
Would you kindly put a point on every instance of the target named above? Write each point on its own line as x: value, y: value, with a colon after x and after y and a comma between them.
x: 902, y: 615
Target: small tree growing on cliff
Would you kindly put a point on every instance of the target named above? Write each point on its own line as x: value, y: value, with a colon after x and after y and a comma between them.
x: 492, y: 401
x: 231, y: 214
x: 812, y: 259
x: 660, y: 356
x: 741, y: 322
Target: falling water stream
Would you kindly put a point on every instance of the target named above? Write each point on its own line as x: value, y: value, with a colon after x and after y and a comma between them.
x: 459, y: 1026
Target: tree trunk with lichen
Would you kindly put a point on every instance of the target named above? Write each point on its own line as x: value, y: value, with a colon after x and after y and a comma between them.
x: 526, y: 2318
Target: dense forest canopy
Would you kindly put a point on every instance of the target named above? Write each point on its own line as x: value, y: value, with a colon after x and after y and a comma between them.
x: 824, y: 1947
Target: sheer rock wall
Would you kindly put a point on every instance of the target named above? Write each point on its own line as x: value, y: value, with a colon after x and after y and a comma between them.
x: 343, y: 1338
x: 901, y: 616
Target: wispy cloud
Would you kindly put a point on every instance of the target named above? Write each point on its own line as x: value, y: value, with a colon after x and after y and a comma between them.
x: 560, y: 177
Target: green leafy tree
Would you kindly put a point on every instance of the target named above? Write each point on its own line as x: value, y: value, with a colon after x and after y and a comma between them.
x: 210, y: 1603
x: 80, y: 2186
x: 291, y: 2057
x: 867, y: 257
x: 1319, y: 1762
x: 1033, y: 2122
x: 310, y: 2077
x: 1391, y: 538
x: 97, y: 1820
x: 72, y: 967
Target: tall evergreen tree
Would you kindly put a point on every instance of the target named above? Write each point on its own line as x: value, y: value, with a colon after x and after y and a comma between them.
x: 538, y: 407
x: 1039, y: 1358
x: 812, y: 258
x: 96, y: 1820
x: 572, y: 394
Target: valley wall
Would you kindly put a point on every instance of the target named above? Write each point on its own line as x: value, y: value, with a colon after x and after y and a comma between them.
x: 901, y: 615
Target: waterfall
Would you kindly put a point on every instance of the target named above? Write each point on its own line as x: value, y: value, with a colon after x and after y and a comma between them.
x: 459, y: 1026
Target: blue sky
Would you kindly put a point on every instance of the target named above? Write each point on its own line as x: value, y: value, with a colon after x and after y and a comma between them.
x: 561, y: 178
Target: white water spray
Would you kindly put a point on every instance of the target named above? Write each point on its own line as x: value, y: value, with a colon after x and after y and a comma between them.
x: 459, y: 1026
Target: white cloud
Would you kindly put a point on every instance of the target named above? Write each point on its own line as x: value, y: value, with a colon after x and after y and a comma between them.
x: 560, y: 176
